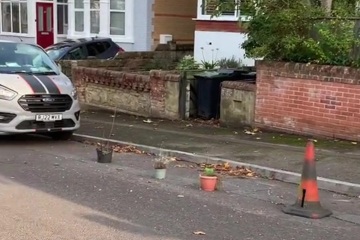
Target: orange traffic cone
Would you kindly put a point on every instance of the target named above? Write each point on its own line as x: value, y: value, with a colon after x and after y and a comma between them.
x: 308, y: 203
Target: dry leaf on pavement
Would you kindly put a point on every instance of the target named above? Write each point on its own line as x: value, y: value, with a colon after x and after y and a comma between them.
x: 252, y: 131
x: 147, y: 121
x: 199, y: 233
x: 227, y: 169
x: 127, y: 149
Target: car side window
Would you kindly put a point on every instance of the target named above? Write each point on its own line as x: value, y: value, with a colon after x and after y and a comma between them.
x: 107, y: 45
x: 96, y: 48
x: 76, y: 54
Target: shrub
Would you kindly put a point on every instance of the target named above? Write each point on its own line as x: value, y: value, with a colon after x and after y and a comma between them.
x: 302, y: 31
x: 188, y: 63
x: 229, y: 63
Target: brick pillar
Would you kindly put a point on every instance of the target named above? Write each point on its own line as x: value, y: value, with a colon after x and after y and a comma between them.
x: 79, y: 82
x: 157, y: 93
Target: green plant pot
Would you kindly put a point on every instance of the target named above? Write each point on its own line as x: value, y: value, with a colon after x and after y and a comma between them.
x: 160, y: 173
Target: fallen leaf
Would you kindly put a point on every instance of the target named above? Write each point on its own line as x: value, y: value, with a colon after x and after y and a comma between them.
x: 180, y: 166
x: 127, y: 149
x: 249, y: 132
x: 199, y: 233
x: 258, y: 138
x: 147, y: 121
x: 180, y: 196
x: 189, y: 125
x: 354, y: 143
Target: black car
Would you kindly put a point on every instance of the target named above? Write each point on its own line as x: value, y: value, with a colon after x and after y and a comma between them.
x: 84, y: 48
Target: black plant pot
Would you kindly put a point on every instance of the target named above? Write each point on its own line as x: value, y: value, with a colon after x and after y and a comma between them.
x: 104, y: 155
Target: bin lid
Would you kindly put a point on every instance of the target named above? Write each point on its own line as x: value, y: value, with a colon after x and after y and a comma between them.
x: 224, y: 73
x: 207, y: 74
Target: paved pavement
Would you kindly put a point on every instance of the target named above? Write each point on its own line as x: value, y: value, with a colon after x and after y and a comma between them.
x: 56, y: 190
x: 339, y: 160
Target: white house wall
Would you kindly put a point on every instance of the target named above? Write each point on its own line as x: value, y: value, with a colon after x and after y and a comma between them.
x: 227, y: 43
x: 138, y: 21
x: 31, y: 36
x: 142, y: 26
x: 221, y: 32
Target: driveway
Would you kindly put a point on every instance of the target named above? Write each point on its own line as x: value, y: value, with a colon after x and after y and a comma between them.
x: 56, y: 190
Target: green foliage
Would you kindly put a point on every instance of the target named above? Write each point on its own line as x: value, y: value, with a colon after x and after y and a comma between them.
x: 302, y: 31
x: 188, y: 63
x: 229, y: 63
x: 209, y: 65
x: 209, y: 171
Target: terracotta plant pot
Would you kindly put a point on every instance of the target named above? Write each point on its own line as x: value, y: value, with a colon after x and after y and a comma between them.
x: 208, y: 183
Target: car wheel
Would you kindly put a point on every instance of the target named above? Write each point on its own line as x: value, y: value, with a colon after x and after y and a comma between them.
x: 61, y: 136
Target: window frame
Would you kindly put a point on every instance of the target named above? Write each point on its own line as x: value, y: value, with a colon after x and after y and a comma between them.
x: 118, y: 11
x: 128, y: 37
x: 63, y: 22
x: 83, y: 12
x: 11, y: 33
x: 223, y: 17
x: 98, y: 11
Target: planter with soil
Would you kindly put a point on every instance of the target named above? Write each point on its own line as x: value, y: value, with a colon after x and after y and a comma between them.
x: 104, y: 154
x: 160, y: 169
x: 208, y: 180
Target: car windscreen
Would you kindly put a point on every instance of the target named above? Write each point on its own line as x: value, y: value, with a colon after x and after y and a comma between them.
x: 56, y: 53
x: 25, y: 58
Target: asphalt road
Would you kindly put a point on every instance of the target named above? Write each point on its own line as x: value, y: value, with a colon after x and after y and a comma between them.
x: 56, y: 190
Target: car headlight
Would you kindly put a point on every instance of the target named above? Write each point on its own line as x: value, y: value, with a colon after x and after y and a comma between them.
x: 6, y: 93
x: 74, y: 93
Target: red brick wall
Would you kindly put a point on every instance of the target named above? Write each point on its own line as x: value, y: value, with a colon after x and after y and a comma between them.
x: 218, y: 26
x: 150, y: 95
x: 309, y: 99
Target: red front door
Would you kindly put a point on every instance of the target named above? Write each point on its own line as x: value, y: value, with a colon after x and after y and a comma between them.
x: 44, y: 24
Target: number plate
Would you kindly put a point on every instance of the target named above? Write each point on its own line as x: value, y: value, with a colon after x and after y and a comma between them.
x: 48, y: 117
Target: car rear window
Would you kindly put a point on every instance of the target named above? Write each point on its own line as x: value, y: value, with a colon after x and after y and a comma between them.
x: 56, y: 53
x: 97, y: 48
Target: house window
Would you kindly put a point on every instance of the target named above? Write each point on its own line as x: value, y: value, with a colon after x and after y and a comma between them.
x: 79, y: 15
x: 94, y: 16
x: 62, y: 15
x: 14, y: 16
x: 228, y: 7
x: 117, y: 17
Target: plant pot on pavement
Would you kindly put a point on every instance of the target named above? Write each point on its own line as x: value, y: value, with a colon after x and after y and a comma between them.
x: 208, y: 182
x: 104, y: 155
x: 160, y: 173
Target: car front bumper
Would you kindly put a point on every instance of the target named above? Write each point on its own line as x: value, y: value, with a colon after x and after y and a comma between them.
x: 15, y: 120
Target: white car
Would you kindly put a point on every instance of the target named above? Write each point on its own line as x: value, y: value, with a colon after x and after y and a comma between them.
x: 35, y: 96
